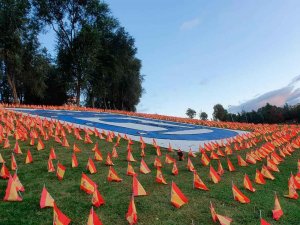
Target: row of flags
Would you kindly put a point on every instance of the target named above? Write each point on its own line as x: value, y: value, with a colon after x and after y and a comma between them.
x: 177, y: 197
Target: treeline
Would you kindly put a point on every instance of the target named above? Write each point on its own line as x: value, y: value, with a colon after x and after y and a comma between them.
x: 95, y: 57
x: 266, y: 114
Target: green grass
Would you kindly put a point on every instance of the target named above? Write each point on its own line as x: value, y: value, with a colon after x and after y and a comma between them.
x: 153, y: 209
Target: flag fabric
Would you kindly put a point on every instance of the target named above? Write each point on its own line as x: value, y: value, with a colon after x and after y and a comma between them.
x: 175, y: 169
x: 87, y: 185
x: 52, y: 154
x: 74, y: 160
x: 112, y: 175
x: 259, y: 178
x: 58, y: 217
x: 13, y: 162
x: 109, y: 162
x: 220, y: 168
x: 50, y: 166
x: 114, y: 153
x: 238, y: 195
x: 11, y: 193
x: 98, y: 155
x: 46, y: 199
x: 248, y: 184
x: 204, y: 159
x: 18, y: 183
x: 241, y: 161
x: 93, y: 219
x: 230, y: 166
x: 91, y: 166
x: 28, y: 157
x: 223, y: 220
x: 190, y: 165
x: 17, y: 148
x: 277, y: 211
x: 4, y: 172
x: 1, y: 159
x: 40, y: 145
x: 159, y: 177
x: 144, y: 168
x: 97, y: 199
x: 130, y: 170
x: 169, y: 159
x: 60, y: 172
x: 213, y: 212
x: 177, y: 197
x: 157, y: 162
x: 214, y: 175
x: 263, y: 222
x: 198, y: 183
x: 137, y: 188
x: 130, y: 157
x: 266, y: 173
x: 131, y: 215
x: 76, y: 148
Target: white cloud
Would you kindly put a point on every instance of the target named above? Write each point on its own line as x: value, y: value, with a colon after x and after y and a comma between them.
x: 289, y: 94
x: 190, y: 24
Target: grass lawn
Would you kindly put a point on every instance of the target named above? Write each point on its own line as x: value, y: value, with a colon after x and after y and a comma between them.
x: 153, y: 209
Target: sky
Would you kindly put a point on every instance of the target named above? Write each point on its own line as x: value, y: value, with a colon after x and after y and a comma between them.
x: 195, y: 54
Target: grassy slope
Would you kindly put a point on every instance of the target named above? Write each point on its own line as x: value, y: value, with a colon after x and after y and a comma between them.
x: 152, y: 209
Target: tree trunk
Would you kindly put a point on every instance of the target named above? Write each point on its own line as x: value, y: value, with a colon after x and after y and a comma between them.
x: 12, y: 84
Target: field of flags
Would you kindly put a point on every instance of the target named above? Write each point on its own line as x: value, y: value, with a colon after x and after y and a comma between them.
x: 59, y: 173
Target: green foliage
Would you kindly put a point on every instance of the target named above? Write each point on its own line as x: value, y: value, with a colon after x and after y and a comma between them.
x: 191, y: 113
x: 203, y: 116
x: 220, y: 113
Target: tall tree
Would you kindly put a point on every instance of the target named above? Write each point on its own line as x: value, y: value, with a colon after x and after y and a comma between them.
x: 203, y: 116
x: 191, y: 113
x: 219, y: 112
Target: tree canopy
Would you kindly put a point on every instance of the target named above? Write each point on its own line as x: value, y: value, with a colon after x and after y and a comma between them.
x: 95, y: 57
x: 191, y: 113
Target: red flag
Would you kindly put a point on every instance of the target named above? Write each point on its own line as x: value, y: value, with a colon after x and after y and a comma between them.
x: 4, y: 173
x: 60, y: 172
x: 28, y: 157
x: 46, y: 199
x: 214, y: 175
x: 97, y: 199
x: 198, y: 183
x: 239, y: 196
x: 177, y: 197
x: 131, y: 214
x: 91, y: 166
x: 74, y: 160
x: 137, y: 188
x: 11, y: 193
x: 87, y: 185
x: 277, y: 211
x: 248, y: 184
x: 58, y: 217
x: 93, y: 218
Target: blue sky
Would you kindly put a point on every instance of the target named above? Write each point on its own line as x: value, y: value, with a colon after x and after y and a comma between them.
x: 199, y: 53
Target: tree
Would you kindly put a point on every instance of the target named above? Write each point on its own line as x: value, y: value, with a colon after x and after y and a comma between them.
x: 203, y: 116
x: 190, y: 113
x: 219, y: 112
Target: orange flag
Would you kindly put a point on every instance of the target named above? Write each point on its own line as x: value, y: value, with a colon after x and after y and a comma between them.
x: 159, y: 177
x: 74, y: 160
x: 266, y: 173
x: 18, y: 183
x: 93, y: 218
x: 60, y: 172
x: 4, y: 172
x: 230, y: 166
x: 277, y: 211
x: 17, y: 148
x: 52, y: 154
x: 97, y: 199
x: 220, y: 168
x: 198, y: 183
x: 114, y: 153
x: 11, y: 193
x: 50, y: 166
x: 75, y: 148
x: 130, y: 157
x: 58, y: 217
x: 28, y: 157
x: 192, y: 154
x: 46, y: 199
x: 263, y: 222
x: 40, y: 145
x: 241, y: 161
x: 1, y: 159
x: 177, y: 197
x: 214, y: 175
x: 259, y: 178
x: 112, y: 175
x: 98, y: 155
x: 13, y: 162
x: 248, y: 184
x: 213, y: 212
x: 91, y: 166
x: 190, y: 165
x: 6, y: 143
x: 130, y: 170
x: 109, y: 162
x: 144, y: 168
x: 131, y: 215
x: 158, y: 152
x: 175, y: 169
x: 137, y: 188
x: 204, y: 159
x: 157, y: 162
x: 292, y: 190
x: 169, y: 159
x: 87, y: 185
x: 65, y: 142
x: 238, y: 195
